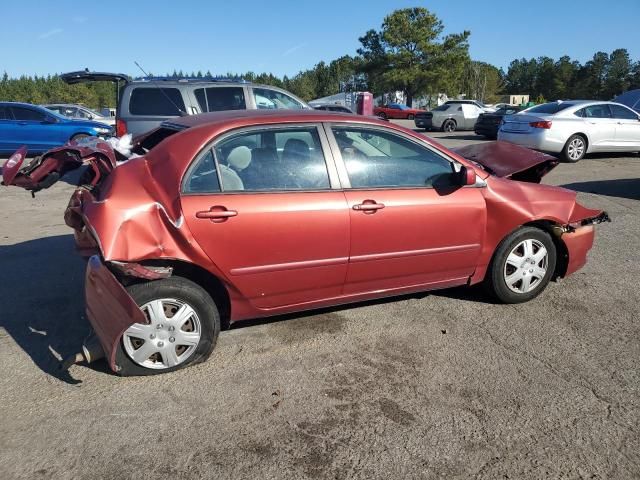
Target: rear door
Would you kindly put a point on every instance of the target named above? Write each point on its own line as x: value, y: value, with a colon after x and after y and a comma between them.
x: 411, y: 226
x: 601, y: 127
x: 275, y: 222
x: 627, y: 127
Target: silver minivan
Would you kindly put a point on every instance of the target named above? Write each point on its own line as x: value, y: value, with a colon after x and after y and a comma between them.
x: 145, y: 103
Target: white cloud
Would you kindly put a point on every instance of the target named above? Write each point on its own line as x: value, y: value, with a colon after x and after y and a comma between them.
x: 50, y: 33
x: 294, y: 49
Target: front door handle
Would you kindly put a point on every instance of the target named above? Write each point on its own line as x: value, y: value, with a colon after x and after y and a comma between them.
x: 217, y: 214
x: 369, y: 206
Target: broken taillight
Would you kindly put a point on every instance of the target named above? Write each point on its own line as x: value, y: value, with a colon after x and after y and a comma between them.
x: 121, y: 128
x: 542, y: 124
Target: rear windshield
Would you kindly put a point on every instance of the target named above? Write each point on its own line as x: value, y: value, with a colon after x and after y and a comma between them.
x: 156, y: 101
x: 153, y: 138
x: 549, y: 108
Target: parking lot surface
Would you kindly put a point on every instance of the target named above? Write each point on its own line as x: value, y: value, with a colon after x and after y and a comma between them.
x: 437, y: 385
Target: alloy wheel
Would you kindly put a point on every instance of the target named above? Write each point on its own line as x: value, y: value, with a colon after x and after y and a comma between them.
x: 526, y: 266
x: 575, y: 150
x: 169, y: 338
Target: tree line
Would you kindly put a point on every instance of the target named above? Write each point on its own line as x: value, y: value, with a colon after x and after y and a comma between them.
x: 410, y: 54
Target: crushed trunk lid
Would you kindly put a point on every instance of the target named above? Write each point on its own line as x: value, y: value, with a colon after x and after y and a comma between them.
x: 47, y: 169
x: 508, y: 160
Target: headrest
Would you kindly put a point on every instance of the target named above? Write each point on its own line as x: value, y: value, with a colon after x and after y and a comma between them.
x: 239, y: 158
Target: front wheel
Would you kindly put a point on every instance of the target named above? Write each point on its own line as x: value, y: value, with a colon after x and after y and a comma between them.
x: 182, y: 326
x: 522, y: 266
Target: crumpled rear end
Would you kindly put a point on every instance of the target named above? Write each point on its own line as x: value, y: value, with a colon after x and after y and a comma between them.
x: 110, y: 309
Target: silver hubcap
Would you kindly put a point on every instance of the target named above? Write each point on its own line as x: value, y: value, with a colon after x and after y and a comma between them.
x: 526, y: 266
x: 168, y: 339
x: 576, y: 148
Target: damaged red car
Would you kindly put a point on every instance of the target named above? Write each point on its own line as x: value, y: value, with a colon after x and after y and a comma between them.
x: 228, y: 216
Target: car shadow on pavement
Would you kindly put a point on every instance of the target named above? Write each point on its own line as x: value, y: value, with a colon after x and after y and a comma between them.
x: 43, y: 301
x: 623, y: 187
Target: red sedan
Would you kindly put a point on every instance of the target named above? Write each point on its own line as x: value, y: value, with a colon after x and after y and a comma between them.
x: 396, y: 110
x: 229, y: 216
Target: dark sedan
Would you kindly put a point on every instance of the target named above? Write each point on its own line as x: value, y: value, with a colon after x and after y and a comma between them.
x: 489, y: 123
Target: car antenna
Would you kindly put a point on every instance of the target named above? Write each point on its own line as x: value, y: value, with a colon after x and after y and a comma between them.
x: 182, y: 113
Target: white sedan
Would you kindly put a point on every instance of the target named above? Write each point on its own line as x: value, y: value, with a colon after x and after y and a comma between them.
x: 574, y: 128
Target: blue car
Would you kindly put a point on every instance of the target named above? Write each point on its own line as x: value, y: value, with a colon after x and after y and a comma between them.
x: 41, y: 129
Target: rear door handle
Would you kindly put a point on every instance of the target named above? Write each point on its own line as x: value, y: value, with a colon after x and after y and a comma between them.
x: 368, y: 206
x: 217, y: 214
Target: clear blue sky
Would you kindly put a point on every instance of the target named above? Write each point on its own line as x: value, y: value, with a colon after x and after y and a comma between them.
x: 286, y: 37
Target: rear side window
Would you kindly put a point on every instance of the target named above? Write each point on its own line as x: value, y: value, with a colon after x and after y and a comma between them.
x: 623, y: 113
x: 156, y: 101
x: 5, y: 114
x: 204, y: 177
x: 27, y: 114
x: 272, y: 100
x: 549, y: 108
x: 220, y: 98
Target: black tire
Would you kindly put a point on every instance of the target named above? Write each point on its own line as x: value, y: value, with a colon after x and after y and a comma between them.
x: 569, y: 150
x: 495, y: 283
x: 382, y: 115
x: 449, y: 126
x: 185, y: 291
x: 410, y: 117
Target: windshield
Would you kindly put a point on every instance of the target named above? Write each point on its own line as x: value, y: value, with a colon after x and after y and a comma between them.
x: 398, y: 105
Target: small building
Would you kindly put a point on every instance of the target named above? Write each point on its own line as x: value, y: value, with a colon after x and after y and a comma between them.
x: 515, y: 99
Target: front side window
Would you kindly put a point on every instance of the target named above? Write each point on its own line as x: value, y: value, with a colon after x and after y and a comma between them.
x: 272, y: 99
x: 4, y: 114
x: 217, y: 99
x: 442, y: 108
x: 20, y: 113
x: 156, y: 101
x: 623, y: 113
x: 376, y: 159
x: 269, y: 160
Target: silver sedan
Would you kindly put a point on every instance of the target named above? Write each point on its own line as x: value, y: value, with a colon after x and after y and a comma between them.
x: 574, y: 128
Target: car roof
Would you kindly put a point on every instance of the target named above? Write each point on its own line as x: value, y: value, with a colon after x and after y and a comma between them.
x: 280, y: 115
x: 20, y: 104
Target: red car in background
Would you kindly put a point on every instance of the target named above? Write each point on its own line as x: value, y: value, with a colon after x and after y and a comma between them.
x: 229, y: 216
x: 396, y: 110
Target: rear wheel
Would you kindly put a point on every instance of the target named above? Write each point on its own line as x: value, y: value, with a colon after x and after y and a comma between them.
x: 575, y: 148
x: 182, y: 326
x: 410, y: 117
x: 449, y: 126
x: 382, y: 115
x: 521, y: 266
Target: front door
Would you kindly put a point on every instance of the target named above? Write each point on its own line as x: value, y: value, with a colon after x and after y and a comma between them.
x: 411, y: 225
x: 600, y: 126
x: 627, y: 127
x: 262, y: 206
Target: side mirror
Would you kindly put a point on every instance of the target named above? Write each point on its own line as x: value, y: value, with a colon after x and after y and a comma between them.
x: 90, y: 117
x: 468, y: 176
